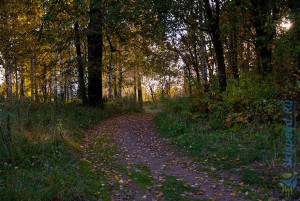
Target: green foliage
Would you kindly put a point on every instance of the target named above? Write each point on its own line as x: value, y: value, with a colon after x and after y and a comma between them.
x: 141, y: 174
x: 247, y: 100
x: 259, y: 178
x: 173, y: 189
x: 126, y: 104
x: 239, y: 127
x: 46, y: 171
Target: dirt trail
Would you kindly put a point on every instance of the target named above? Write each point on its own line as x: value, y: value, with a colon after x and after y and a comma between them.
x: 138, y: 143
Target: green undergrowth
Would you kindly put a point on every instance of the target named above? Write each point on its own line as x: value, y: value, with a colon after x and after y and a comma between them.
x: 224, y: 147
x: 141, y: 174
x: 169, y: 187
x: 41, y: 156
x: 174, y: 189
x: 241, y: 128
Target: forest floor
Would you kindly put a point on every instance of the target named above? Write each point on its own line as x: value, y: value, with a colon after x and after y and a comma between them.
x: 147, y: 167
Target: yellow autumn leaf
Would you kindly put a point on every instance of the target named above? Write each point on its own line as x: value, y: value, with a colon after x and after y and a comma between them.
x: 117, y: 177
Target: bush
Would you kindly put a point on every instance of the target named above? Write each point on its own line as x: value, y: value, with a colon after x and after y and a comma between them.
x: 247, y: 100
x: 238, y: 127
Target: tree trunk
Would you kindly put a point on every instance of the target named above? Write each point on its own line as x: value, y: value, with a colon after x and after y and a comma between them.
x: 202, y: 44
x: 66, y: 89
x: 109, y: 71
x: 152, y: 93
x: 264, y: 13
x: 22, y: 82
x: 95, y: 43
x: 232, y: 61
x: 214, y: 28
x: 120, y: 80
x: 17, y: 80
x: 140, y: 94
x: 212, y: 61
x: 294, y: 5
x: 61, y: 77
x: 134, y: 87
x: 115, y: 85
x: 36, y: 89
x: 55, y: 87
x: 50, y: 90
x: 203, y: 62
x: 8, y: 79
x: 32, y: 80
x: 195, y: 60
x: 44, y: 83
x: 79, y: 59
x: 189, y: 80
x: 80, y: 68
x: 71, y: 92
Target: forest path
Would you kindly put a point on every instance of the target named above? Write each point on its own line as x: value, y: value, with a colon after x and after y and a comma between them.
x: 150, y: 168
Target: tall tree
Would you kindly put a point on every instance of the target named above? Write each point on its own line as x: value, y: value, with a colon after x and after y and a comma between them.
x: 214, y: 29
x: 95, y: 43
x: 263, y: 15
x: 80, y: 67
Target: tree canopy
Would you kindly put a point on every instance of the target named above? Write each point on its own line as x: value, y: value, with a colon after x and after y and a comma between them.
x: 83, y: 50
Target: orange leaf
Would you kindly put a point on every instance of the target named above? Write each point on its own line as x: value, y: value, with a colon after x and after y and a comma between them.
x: 117, y: 177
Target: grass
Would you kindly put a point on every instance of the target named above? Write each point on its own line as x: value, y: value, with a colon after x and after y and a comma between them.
x: 141, y: 174
x: 174, y: 189
x: 152, y: 106
x: 170, y: 187
x: 41, y: 156
x: 223, y: 147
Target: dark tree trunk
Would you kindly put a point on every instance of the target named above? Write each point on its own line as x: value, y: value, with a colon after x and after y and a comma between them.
x: 202, y: 44
x: 134, y: 87
x: 195, y: 58
x: 109, y: 69
x: 264, y: 13
x: 8, y: 78
x: 115, y: 85
x: 189, y: 81
x: 55, y: 85
x: 44, y: 83
x: 95, y: 42
x: 120, y: 80
x: 61, y: 78
x: 233, y: 55
x: 140, y: 94
x: 22, y: 82
x: 80, y: 68
x: 264, y: 51
x: 218, y: 46
x: 17, y: 72
x: 294, y: 5
x: 32, y: 80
